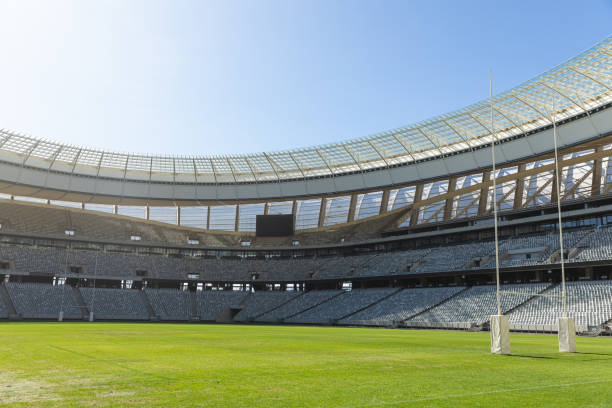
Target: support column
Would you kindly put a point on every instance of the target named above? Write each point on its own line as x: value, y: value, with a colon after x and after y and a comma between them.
x: 322, y: 212
x: 294, y: 208
x: 418, y: 195
x: 237, y: 220
x: 448, y: 206
x: 553, y: 194
x: 208, y: 218
x: 597, y: 171
x: 519, y: 187
x: 351, y: 212
x: 178, y: 215
x: 384, y: 202
x: 484, y: 193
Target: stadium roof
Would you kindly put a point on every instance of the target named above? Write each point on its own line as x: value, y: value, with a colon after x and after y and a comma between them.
x: 577, y: 86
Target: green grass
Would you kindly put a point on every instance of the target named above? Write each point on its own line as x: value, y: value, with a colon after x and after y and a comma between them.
x: 162, y: 365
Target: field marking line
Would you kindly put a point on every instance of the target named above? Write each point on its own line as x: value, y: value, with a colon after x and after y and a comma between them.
x: 111, y: 363
x: 536, y: 387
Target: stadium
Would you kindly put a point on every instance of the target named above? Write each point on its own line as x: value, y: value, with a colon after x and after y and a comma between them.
x: 315, y: 247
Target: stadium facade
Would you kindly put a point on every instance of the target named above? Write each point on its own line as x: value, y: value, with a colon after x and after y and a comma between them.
x: 402, y: 218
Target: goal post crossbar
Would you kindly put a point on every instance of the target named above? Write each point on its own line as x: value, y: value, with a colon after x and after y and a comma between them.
x: 530, y: 294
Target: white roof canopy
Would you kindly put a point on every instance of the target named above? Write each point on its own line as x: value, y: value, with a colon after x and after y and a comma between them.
x: 577, y: 86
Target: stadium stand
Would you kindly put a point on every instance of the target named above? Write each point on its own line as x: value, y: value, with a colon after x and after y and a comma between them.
x: 400, y: 306
x: 170, y: 304
x: 584, y: 245
x: 211, y: 304
x: 115, y: 304
x: 402, y: 219
x: 341, y: 306
x: 476, y: 304
x: 455, y: 257
x: 299, y: 304
x: 589, y: 303
x: 41, y: 301
x: 596, y: 246
x: 260, y: 302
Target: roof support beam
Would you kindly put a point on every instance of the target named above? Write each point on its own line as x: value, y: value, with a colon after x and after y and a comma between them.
x: 597, y: 173
x: 484, y: 193
x: 592, y: 76
x: 322, y: 212
x: 414, y: 212
x: 448, y: 205
x: 542, y: 114
x: 519, y: 187
x: 352, y: 205
x: 384, y: 202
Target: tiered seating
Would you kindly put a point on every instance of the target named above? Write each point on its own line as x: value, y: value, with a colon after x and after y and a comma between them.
x: 42, y: 261
x: 341, y: 306
x: 455, y: 257
x: 170, y: 304
x: 259, y: 303
x: 53, y: 221
x: 596, y: 246
x: 3, y: 309
x: 43, y: 301
x: 210, y: 304
x: 516, y: 251
x: 510, y: 249
x: 115, y: 304
x: 476, y: 304
x: 299, y: 304
x: 392, y: 263
x: 589, y: 303
x: 339, y: 266
x: 287, y: 268
x: 400, y: 306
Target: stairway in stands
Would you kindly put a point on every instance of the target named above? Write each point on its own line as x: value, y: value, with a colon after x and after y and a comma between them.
x: 81, y: 302
x: 145, y: 300
x: 530, y: 298
x: 313, y: 306
x: 194, y: 308
x: 371, y: 304
x: 278, y: 306
x: 10, y: 307
x: 437, y: 304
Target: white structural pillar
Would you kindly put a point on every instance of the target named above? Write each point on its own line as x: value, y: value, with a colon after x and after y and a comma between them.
x: 91, y: 316
x: 500, y: 334
x: 60, y: 318
x: 567, y: 335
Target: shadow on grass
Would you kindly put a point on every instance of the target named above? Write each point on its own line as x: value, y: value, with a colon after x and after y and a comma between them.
x: 595, y: 354
x: 536, y: 357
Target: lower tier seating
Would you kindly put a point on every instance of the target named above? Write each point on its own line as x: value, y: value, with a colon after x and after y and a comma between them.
x: 400, y: 306
x: 588, y: 302
x: 340, y: 306
x: 299, y: 304
x: 41, y: 301
x: 115, y: 304
x: 476, y: 304
x: 170, y: 304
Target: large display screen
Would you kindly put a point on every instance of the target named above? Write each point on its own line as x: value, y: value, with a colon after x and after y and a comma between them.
x: 277, y: 225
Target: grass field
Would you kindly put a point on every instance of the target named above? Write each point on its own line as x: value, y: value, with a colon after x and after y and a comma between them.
x: 162, y: 365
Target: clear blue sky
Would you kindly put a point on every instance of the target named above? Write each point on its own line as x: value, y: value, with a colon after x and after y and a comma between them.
x: 217, y: 77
